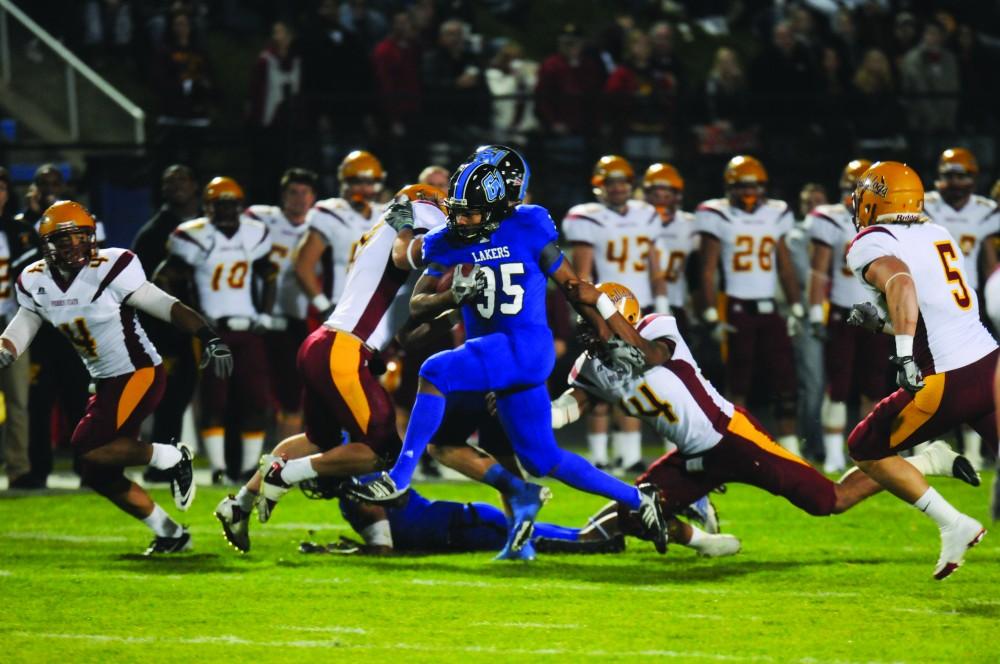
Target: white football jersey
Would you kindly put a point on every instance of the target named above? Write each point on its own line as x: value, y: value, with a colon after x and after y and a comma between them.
x: 978, y: 219
x: 290, y: 300
x: 674, y: 398
x: 622, y: 243
x: 376, y: 298
x: 341, y: 228
x: 833, y: 226
x: 222, y: 265
x: 949, y: 333
x: 749, y: 244
x: 676, y: 242
x: 92, y: 311
x: 8, y: 302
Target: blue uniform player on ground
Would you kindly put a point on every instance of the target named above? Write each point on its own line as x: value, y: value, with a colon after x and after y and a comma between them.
x: 509, y: 348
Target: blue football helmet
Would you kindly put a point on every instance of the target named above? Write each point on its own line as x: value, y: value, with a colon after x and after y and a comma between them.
x: 511, y: 165
x: 476, y: 187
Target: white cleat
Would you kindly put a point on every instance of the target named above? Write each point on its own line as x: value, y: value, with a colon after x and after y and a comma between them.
x: 718, y: 546
x: 235, y: 523
x: 272, y: 488
x: 945, y: 462
x: 957, y: 538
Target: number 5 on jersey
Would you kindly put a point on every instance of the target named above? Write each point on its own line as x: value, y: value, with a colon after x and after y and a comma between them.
x: 949, y: 255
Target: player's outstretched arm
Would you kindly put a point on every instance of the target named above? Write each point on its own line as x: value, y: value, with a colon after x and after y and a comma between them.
x: 566, y: 279
x: 892, y: 277
x: 407, y: 250
x: 305, y: 258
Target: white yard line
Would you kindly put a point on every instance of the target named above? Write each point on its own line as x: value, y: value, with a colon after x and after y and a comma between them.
x: 5, y: 572
x: 53, y: 537
x: 525, y: 625
x: 332, y: 629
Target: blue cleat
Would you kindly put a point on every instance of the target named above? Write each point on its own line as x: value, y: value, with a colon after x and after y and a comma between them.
x: 525, y: 506
x: 526, y: 552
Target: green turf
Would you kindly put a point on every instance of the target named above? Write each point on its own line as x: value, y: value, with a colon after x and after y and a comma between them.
x: 855, y: 588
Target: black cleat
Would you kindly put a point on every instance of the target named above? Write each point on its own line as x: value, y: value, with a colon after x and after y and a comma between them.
x: 651, y: 516
x: 962, y: 469
x: 379, y: 491
x: 162, y: 545
x: 182, y: 484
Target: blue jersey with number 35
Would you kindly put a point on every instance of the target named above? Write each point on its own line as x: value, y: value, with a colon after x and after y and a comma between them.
x: 516, y: 282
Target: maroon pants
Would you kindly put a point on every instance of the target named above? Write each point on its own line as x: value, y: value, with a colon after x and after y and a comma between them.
x: 902, y: 420
x: 342, y: 394
x: 856, y: 360
x: 760, y: 342
x: 248, y: 385
x: 746, y: 454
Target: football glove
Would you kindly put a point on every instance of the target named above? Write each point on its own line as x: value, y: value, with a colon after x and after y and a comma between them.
x: 6, y: 357
x: 399, y: 215
x: 908, y: 374
x: 622, y: 355
x: 467, y: 287
x: 796, y: 319
x: 217, y: 354
x: 865, y: 315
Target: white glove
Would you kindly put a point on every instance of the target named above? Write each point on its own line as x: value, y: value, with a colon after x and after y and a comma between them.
x: 796, y: 319
x: 908, y: 374
x: 464, y: 288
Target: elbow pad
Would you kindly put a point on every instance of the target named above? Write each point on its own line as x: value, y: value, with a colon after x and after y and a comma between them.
x: 565, y: 410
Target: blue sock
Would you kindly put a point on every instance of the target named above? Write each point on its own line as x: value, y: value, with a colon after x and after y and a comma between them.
x: 503, y: 480
x: 428, y: 411
x: 550, y: 531
x: 577, y: 472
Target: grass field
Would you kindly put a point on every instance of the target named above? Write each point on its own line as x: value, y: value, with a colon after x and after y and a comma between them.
x: 855, y: 588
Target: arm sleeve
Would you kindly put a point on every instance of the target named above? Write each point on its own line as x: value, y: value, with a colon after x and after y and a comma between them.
x: 871, y: 244
x: 22, y: 329
x: 24, y: 298
x: 786, y: 222
x: 263, y: 246
x: 152, y: 300
x: 658, y: 326
x: 581, y: 228
x: 321, y: 220
x: 185, y: 247
x: 130, y: 278
x: 707, y: 221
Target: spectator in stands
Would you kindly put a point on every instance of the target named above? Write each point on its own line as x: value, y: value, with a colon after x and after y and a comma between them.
x: 107, y: 27
x: 276, y: 81
x: 875, y: 108
x: 726, y: 90
x: 511, y: 79
x: 978, y: 72
x: 183, y: 76
x: 18, y: 248
x: 613, y: 40
x: 396, y: 63
x: 435, y: 176
x: 905, y: 35
x: 663, y: 60
x: 367, y: 24
x: 784, y: 79
x: 930, y: 73
x: 180, y: 194
x: 640, y: 105
x: 568, y: 82
x: 336, y: 76
x: 873, y: 23
x: 425, y: 23
x: 845, y: 39
x: 834, y: 89
x: 456, y: 94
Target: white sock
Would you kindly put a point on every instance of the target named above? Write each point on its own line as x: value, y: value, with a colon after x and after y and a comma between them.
x: 627, y: 446
x: 697, y: 537
x: 833, y: 443
x: 790, y: 443
x: 936, y: 507
x: 245, y: 498
x: 164, y: 456
x: 598, y: 444
x: 972, y: 444
x: 921, y: 462
x: 215, y: 447
x: 297, y: 470
x: 161, y: 524
x: 253, y: 444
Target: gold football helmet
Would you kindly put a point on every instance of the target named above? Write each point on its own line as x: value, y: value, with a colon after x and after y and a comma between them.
x: 888, y: 193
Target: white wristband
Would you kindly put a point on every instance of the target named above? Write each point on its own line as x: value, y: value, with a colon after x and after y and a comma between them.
x: 565, y: 410
x: 711, y: 315
x: 321, y: 302
x: 816, y: 313
x: 661, y: 304
x: 606, y: 307
x: 904, y: 345
x: 797, y: 310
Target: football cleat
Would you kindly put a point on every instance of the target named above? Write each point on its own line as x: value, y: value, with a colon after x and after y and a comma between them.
x: 380, y: 490
x: 703, y: 512
x: 177, y: 544
x: 272, y: 488
x: 717, y: 546
x: 956, y: 538
x: 182, y: 485
x: 525, y: 506
x: 948, y: 463
x: 651, y: 516
x: 235, y: 523
x: 526, y: 552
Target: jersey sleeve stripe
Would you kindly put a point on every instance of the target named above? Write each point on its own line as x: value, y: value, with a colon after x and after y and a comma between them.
x: 253, y: 215
x: 706, y: 208
x: 820, y: 215
x: 574, y: 217
x: 868, y: 231
x: 184, y: 235
x: 136, y: 353
x: 115, y: 270
x: 646, y: 321
x: 332, y: 214
x: 816, y: 240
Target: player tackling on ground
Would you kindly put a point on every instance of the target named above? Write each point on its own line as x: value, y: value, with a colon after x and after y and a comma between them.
x: 944, y: 356
x: 91, y: 295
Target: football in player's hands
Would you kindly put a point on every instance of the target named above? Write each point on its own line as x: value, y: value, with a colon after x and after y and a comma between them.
x: 467, y: 281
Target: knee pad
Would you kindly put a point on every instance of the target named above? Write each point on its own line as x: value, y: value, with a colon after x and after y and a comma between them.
x: 785, y: 406
x: 834, y: 414
x: 105, y: 480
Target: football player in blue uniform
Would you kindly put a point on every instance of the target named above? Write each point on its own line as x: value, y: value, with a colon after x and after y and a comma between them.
x: 509, y: 348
